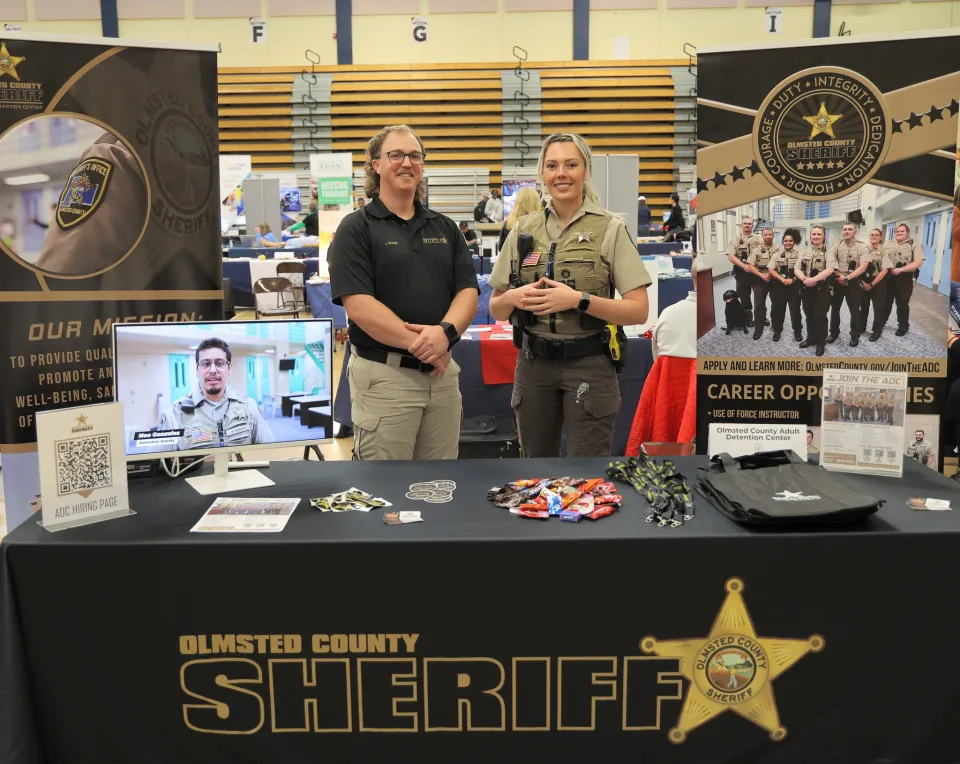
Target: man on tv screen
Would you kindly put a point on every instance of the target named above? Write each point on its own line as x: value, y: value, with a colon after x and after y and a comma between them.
x: 215, y: 415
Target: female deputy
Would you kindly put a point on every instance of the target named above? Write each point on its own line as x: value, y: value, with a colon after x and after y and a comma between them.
x: 558, y: 269
x: 813, y: 269
x: 874, y: 285
x: 786, y: 288
x: 527, y: 201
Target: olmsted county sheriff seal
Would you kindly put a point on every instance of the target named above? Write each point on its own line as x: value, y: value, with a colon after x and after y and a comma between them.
x: 822, y: 133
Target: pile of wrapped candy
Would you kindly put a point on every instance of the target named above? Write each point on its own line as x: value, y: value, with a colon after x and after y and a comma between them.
x: 564, y: 497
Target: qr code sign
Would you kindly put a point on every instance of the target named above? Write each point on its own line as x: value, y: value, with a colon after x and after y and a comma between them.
x: 83, y: 464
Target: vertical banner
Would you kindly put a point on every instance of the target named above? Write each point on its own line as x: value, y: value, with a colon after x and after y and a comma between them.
x: 830, y: 183
x: 234, y: 169
x: 111, y: 217
x: 331, y: 180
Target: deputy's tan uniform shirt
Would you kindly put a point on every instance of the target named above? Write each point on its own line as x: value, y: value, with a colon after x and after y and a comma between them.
x: 748, y: 244
x: 782, y: 256
x: 100, y: 212
x: 617, y: 250
x: 817, y: 258
x: 904, y: 254
x: 880, y: 257
x: 761, y: 257
x: 843, y: 254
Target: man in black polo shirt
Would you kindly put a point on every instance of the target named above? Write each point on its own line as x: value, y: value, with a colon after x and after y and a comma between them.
x: 406, y: 279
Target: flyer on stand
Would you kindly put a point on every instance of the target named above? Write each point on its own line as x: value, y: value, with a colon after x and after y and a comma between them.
x: 862, y: 422
x: 236, y: 515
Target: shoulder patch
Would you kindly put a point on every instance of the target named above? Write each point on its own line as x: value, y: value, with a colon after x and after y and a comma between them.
x: 84, y: 190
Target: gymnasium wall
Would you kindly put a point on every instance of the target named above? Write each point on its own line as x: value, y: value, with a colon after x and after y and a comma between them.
x: 653, y: 28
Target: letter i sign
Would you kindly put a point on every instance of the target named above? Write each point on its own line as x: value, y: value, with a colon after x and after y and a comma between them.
x: 773, y: 20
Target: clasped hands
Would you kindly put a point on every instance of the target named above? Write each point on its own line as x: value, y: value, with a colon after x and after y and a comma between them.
x: 544, y: 297
x: 430, y: 346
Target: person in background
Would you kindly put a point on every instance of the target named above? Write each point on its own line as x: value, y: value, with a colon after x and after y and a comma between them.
x: 811, y: 449
x: 405, y: 276
x: 480, y: 211
x: 758, y: 265
x: 266, y: 237
x: 907, y: 256
x: 643, y: 217
x: 527, y: 202
x: 741, y: 249
x: 580, y: 255
x: 815, y: 296
x: 310, y: 225
x: 469, y: 235
x: 494, y: 208
x: 784, y: 288
x: 675, y: 222
x: 361, y: 203
x: 874, y: 285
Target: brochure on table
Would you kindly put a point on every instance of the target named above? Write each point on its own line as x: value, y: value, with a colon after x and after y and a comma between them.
x: 862, y: 420
x: 83, y: 466
x: 243, y: 515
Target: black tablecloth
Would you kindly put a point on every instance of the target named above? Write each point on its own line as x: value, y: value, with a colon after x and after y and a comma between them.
x: 479, y: 398
x: 107, y: 631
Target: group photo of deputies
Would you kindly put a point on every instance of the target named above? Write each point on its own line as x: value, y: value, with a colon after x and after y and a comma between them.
x: 807, y: 279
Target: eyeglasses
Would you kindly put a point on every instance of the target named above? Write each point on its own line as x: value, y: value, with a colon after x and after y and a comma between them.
x: 396, y: 157
x: 220, y: 363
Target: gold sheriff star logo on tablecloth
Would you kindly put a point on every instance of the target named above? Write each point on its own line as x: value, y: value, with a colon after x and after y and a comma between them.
x: 732, y: 669
x: 81, y: 421
x: 8, y: 63
x: 822, y: 122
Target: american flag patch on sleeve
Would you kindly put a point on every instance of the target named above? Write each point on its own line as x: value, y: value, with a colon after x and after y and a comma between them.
x: 532, y: 259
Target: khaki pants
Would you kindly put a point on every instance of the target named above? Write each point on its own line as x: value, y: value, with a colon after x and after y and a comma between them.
x: 581, y: 394
x: 401, y: 414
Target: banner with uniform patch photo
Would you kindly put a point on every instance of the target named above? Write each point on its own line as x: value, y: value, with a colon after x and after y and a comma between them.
x: 108, y: 213
x: 827, y: 190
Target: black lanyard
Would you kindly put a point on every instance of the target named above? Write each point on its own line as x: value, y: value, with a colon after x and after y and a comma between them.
x: 665, y: 490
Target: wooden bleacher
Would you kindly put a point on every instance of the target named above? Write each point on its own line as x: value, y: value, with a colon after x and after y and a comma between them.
x: 619, y: 106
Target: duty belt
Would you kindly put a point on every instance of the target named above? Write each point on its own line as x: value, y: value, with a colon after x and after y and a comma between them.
x: 406, y: 361
x: 557, y: 350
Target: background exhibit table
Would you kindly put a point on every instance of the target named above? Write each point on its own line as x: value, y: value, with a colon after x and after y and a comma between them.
x: 108, y: 631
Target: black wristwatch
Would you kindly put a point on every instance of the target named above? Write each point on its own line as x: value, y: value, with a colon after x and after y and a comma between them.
x: 584, y: 303
x: 451, y: 331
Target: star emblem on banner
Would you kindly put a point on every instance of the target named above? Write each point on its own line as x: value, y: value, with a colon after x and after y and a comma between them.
x: 822, y: 122
x: 935, y: 114
x: 8, y: 63
x: 719, y: 179
x: 737, y: 173
x: 954, y: 107
x: 731, y: 669
x: 914, y: 120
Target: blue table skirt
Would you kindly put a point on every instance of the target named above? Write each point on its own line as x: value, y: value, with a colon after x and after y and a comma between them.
x: 482, y: 266
x: 240, y: 285
x: 321, y: 305
x: 480, y: 398
x: 672, y: 291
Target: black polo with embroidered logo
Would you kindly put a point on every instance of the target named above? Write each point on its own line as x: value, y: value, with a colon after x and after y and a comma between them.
x: 415, y: 267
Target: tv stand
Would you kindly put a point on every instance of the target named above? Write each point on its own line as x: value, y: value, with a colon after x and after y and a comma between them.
x: 224, y: 481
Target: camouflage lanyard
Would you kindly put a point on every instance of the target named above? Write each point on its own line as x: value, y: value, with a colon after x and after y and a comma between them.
x: 665, y: 490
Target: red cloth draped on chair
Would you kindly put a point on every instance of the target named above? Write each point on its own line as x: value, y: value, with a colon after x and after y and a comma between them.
x: 667, y: 411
